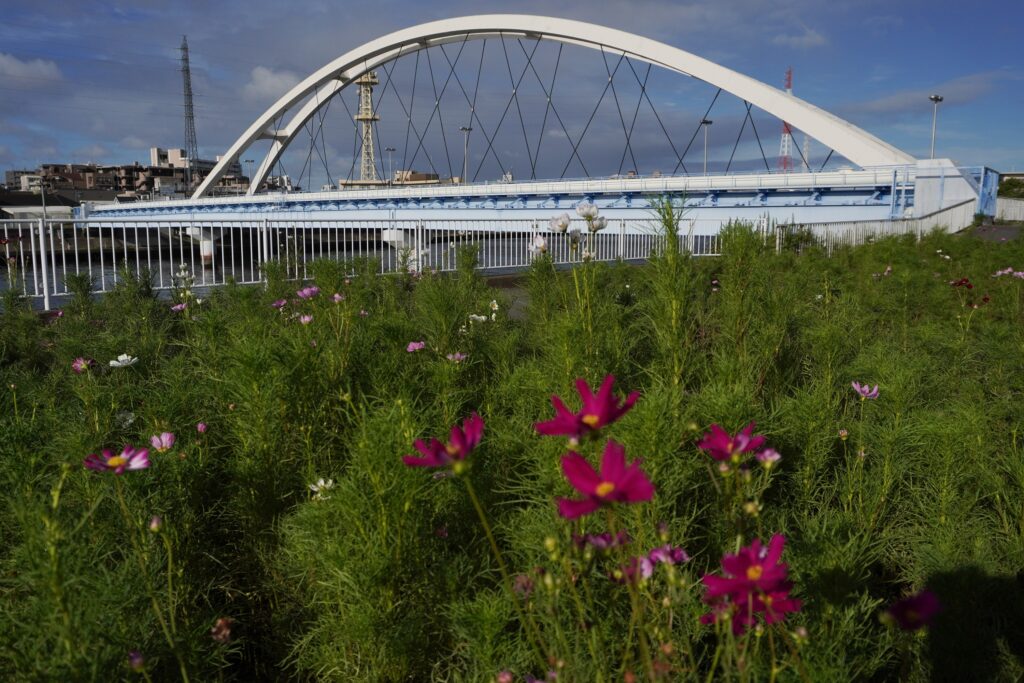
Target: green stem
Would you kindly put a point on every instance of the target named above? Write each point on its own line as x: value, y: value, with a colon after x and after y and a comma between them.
x: 527, y: 620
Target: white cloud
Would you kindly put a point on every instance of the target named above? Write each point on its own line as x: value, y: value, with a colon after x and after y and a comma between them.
x: 27, y: 73
x: 809, y: 38
x: 91, y: 152
x: 266, y: 84
x: 134, y: 142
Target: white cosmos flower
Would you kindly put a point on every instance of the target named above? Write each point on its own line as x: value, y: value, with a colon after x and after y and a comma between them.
x: 494, y: 304
x: 560, y: 223
x: 477, y: 318
x: 598, y: 223
x: 123, y: 361
x: 540, y: 245
x: 587, y: 211
x: 320, y: 487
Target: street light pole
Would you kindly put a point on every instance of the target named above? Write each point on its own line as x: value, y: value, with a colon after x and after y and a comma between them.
x: 935, y: 115
x: 391, y: 172
x: 706, y: 123
x: 465, y: 152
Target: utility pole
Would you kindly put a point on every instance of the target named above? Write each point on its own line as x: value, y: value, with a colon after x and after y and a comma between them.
x: 391, y: 173
x: 191, y: 145
x: 706, y: 123
x: 466, y: 130
x: 935, y: 116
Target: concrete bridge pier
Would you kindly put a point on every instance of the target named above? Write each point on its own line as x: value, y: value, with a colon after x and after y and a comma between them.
x: 405, y: 241
x: 205, y: 239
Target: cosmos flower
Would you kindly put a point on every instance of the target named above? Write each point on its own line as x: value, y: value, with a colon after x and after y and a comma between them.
x: 80, y: 365
x: 598, y: 410
x: 753, y: 582
x: 280, y: 303
x: 415, y: 346
x: 123, y: 361
x: 461, y: 443
x: 156, y: 523
x: 178, y: 308
x: 308, y: 292
x: 456, y: 357
x: 864, y: 391
x: 221, y: 630
x: 597, y: 224
x: 560, y: 223
x: 338, y: 298
x: 725, y: 448
x: 603, y: 541
x: 135, y: 661
x: 130, y: 458
x: 668, y: 554
x: 587, y: 211
x: 768, y: 457
x: 201, y: 427
x: 320, y: 488
x: 914, y: 612
x: 616, y: 482
x: 305, y: 319
x: 539, y: 245
x: 162, y: 443
x: 473, y: 317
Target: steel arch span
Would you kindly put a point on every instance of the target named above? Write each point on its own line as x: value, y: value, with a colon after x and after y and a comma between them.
x: 853, y: 143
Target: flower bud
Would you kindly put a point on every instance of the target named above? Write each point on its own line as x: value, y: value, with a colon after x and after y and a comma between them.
x: 155, y: 524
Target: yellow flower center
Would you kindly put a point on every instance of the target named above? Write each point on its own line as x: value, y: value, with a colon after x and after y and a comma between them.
x: 591, y: 420
x: 605, y: 488
x: 754, y: 572
x: 451, y: 450
x: 117, y: 461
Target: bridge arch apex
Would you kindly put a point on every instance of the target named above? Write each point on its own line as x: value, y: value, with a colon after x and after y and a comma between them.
x: 853, y: 143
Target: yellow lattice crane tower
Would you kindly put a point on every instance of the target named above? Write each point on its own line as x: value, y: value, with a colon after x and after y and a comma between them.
x: 366, y: 116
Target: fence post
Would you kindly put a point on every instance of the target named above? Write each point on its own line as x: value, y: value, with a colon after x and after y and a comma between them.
x: 778, y: 239
x: 43, y: 268
x: 622, y: 237
x: 264, y: 250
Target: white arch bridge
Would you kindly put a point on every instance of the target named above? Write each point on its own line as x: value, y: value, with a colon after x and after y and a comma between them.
x: 874, y: 181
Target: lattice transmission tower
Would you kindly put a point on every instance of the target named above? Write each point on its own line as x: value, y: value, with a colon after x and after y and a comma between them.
x: 366, y: 116
x: 786, y: 146
x: 191, y: 146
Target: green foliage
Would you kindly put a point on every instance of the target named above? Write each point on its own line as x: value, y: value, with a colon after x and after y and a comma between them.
x: 1012, y: 187
x: 387, y: 574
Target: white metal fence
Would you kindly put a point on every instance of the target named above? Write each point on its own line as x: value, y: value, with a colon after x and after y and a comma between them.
x: 1010, y: 209
x: 39, y: 255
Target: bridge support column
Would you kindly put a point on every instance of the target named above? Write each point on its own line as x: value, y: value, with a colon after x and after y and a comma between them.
x: 205, y: 240
x: 409, y: 242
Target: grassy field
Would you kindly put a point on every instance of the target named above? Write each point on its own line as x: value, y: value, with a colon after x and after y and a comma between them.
x: 282, y: 536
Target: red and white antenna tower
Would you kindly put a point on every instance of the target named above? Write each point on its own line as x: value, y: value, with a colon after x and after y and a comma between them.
x: 786, y: 148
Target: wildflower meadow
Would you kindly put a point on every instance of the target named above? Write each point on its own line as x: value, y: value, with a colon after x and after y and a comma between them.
x: 763, y: 466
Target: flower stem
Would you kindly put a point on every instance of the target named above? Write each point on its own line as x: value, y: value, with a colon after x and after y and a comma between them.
x: 527, y: 620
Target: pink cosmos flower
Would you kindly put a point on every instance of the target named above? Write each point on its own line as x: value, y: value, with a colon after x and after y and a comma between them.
x: 201, y: 427
x: 914, y: 612
x: 636, y: 569
x: 130, y: 458
x: 178, y: 308
x: 460, y: 444
x: 338, y: 298
x: 723, y: 447
x: 864, y: 391
x: 308, y: 292
x: 456, y: 357
x: 768, y: 457
x: 413, y: 347
x: 603, y: 541
x: 753, y: 582
x: 162, y: 443
x: 305, y: 319
x: 667, y: 554
x: 280, y: 303
x: 598, y: 410
x: 80, y: 365
x: 616, y: 483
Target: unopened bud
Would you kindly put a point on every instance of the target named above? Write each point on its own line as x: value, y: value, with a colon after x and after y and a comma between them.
x: 155, y: 524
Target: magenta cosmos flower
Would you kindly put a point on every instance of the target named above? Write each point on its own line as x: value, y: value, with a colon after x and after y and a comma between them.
x: 914, y: 612
x: 280, y: 303
x: 616, y: 482
x: 460, y: 444
x: 864, y: 391
x: 723, y: 447
x: 308, y: 292
x: 162, y: 443
x: 178, y: 308
x: 201, y: 427
x: 130, y: 458
x: 598, y: 410
x: 753, y: 582
x: 80, y: 365
x: 415, y: 346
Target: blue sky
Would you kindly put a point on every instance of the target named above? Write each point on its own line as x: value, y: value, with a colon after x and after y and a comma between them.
x: 98, y: 81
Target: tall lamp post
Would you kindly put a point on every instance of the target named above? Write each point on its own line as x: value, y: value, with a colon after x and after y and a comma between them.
x: 706, y: 123
x: 248, y: 172
x: 935, y: 116
x: 391, y: 174
x: 465, y: 152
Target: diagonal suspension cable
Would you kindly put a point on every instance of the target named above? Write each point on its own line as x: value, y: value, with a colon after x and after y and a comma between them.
x: 440, y: 113
x: 753, y: 126
x: 472, y: 105
x: 508, y: 105
x: 636, y: 113
x: 549, y: 94
x: 437, y: 105
x: 593, y: 113
x: 695, y: 132
x: 737, y: 143
x: 412, y: 102
x: 664, y: 130
x: 412, y: 126
x: 522, y: 123
x: 547, y: 108
x: 618, y: 107
x: 826, y: 160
